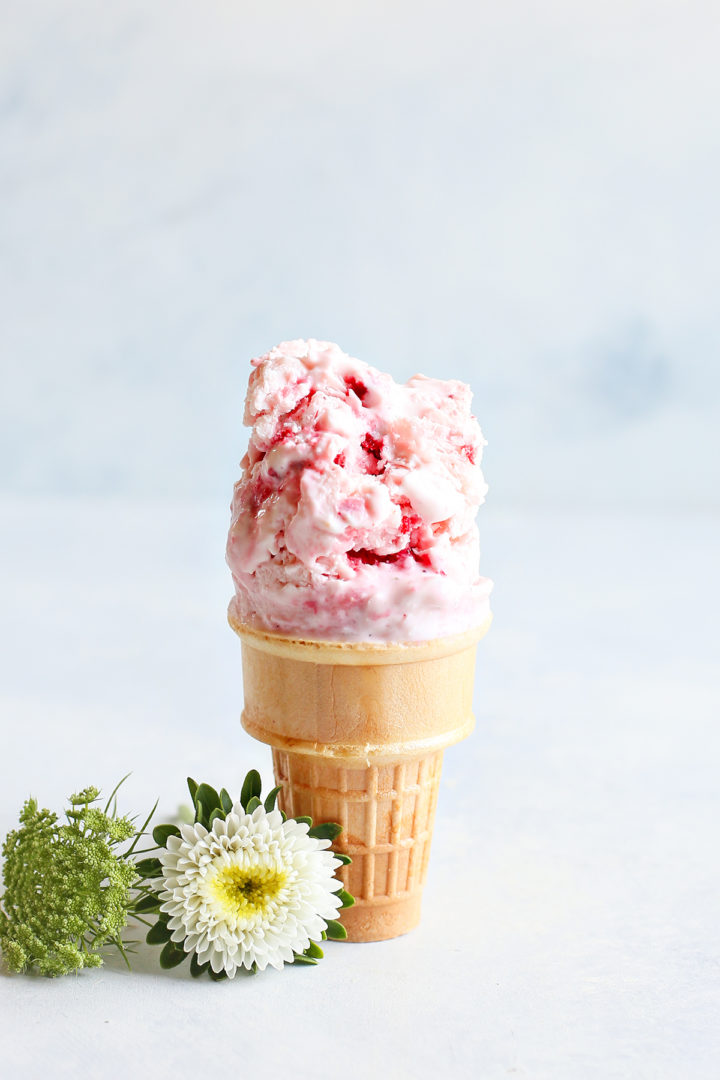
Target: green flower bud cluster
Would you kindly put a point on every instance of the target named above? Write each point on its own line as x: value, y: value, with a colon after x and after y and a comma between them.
x: 67, y: 890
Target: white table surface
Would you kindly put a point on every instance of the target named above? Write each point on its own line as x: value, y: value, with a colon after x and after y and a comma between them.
x: 570, y: 924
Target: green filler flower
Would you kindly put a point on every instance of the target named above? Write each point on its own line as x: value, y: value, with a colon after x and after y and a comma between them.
x: 69, y: 886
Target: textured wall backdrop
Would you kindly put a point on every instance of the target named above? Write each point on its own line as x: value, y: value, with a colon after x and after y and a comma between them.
x: 521, y: 195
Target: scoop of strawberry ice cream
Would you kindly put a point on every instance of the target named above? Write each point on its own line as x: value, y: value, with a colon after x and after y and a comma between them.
x: 354, y: 517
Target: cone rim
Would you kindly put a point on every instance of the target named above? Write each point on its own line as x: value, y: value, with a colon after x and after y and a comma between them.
x: 361, y: 755
x: 319, y: 651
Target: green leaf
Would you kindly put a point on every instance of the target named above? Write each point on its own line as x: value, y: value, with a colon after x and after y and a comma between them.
x: 142, y: 829
x: 192, y: 787
x: 300, y: 958
x: 314, y: 949
x: 217, y: 813
x: 172, y: 955
x: 251, y: 789
x: 159, y: 933
x: 344, y: 859
x: 272, y: 798
x: 148, y: 868
x: 226, y: 800
x: 149, y: 903
x: 304, y: 820
x: 335, y: 930
x: 161, y: 833
x: 324, y: 936
x: 217, y: 976
x: 328, y: 831
x: 196, y: 968
x: 209, y: 797
x: 252, y: 804
x: 283, y: 815
x: 200, y: 814
x: 347, y: 898
x: 114, y: 791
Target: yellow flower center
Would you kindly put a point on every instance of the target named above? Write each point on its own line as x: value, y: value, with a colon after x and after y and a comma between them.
x: 247, y: 892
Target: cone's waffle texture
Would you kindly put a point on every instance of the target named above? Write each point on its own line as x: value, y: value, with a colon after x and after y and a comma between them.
x: 387, y: 813
x: 358, y: 733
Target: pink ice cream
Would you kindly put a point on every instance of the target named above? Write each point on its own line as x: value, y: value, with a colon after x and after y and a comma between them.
x: 354, y: 517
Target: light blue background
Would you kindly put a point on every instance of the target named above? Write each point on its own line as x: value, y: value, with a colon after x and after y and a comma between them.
x: 520, y: 195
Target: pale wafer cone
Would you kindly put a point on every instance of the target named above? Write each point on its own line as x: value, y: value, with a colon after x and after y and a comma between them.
x: 358, y: 732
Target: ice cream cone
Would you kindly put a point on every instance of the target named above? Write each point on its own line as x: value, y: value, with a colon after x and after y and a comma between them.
x: 358, y: 732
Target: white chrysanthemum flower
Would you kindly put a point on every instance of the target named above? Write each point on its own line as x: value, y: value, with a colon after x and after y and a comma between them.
x: 253, y: 889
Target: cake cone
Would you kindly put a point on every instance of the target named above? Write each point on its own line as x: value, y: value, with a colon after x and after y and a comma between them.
x: 358, y: 732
